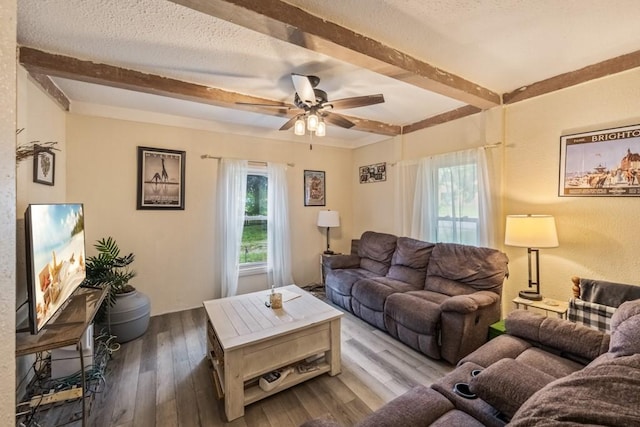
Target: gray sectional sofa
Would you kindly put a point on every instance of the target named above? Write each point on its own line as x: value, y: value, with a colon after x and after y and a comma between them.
x: 542, y: 372
x: 438, y: 298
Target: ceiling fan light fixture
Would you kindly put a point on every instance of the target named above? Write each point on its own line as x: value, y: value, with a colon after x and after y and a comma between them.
x: 321, y: 130
x: 312, y: 122
x: 299, y: 127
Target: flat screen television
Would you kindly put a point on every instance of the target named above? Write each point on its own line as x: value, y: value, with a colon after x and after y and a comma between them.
x: 55, y: 258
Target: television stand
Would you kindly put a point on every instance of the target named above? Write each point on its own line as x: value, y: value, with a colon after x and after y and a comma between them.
x: 66, y: 329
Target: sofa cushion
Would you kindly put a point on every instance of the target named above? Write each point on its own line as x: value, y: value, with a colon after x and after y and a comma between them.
x: 567, y: 337
x: 601, y: 394
x: 549, y: 363
x: 507, y: 384
x: 373, y: 292
x: 420, y: 406
x: 479, y: 268
x: 625, y: 326
x: 418, y: 314
x: 500, y: 347
x: 376, y: 251
x: 410, y: 259
x: 342, y: 281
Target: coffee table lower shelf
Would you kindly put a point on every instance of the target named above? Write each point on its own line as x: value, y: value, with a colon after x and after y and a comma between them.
x: 254, y: 393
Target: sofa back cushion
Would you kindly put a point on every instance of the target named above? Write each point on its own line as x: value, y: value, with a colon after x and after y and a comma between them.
x: 456, y: 269
x: 376, y: 251
x: 410, y: 260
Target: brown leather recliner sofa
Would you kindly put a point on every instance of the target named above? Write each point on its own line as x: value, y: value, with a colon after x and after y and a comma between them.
x: 438, y: 298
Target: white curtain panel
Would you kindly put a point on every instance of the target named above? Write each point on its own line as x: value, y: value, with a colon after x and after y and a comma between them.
x: 231, y: 191
x: 278, y: 232
x: 405, y: 172
x: 460, y: 175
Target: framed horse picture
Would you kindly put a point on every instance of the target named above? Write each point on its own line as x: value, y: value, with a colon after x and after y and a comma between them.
x: 160, y: 178
x: 601, y: 163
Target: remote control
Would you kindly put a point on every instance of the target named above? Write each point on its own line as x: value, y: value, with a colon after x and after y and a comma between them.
x: 273, y: 379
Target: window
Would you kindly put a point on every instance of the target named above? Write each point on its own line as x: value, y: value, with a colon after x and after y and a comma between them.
x: 452, y: 201
x: 458, y: 209
x: 253, y: 250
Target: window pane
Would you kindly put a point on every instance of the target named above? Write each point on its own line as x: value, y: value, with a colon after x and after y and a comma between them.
x: 254, y: 234
x: 458, y: 210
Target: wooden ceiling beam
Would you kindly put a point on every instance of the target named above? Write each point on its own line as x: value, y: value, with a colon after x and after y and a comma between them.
x: 293, y: 25
x: 572, y: 78
x: 43, y: 63
x: 439, y: 119
x: 50, y: 88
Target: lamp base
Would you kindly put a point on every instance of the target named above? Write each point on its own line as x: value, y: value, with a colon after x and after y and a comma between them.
x: 532, y: 295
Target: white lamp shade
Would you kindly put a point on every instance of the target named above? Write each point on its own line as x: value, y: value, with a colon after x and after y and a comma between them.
x: 298, y: 127
x: 328, y: 219
x: 531, y: 231
x: 321, y: 130
x: 312, y: 122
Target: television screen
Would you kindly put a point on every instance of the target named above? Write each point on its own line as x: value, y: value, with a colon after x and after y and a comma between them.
x: 55, y: 248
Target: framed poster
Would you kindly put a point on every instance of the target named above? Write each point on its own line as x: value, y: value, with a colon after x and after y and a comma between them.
x: 44, y: 166
x: 314, y: 188
x: 373, y: 173
x: 601, y: 163
x: 160, y: 178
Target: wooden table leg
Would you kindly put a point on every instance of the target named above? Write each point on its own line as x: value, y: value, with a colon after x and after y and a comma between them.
x: 333, y: 355
x: 233, y: 385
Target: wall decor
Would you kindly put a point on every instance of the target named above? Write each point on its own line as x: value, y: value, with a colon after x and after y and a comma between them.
x: 44, y: 165
x: 601, y: 163
x: 314, y: 188
x: 160, y: 178
x: 373, y: 173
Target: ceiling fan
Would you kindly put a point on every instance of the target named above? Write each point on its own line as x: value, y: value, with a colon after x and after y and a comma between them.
x: 315, y: 105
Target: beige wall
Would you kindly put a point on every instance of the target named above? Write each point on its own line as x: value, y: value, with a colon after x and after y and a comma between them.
x: 597, y: 235
x: 175, y: 250
x: 7, y: 207
x: 375, y: 203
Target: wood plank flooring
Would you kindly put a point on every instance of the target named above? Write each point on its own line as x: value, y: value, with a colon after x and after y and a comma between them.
x: 163, y: 379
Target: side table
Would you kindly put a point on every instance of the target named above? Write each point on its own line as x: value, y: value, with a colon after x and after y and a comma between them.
x: 547, y: 304
x: 322, y: 258
x: 497, y: 329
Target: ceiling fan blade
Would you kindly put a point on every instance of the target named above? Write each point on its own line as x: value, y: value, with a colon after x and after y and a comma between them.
x: 278, y: 106
x: 338, y: 120
x: 289, y: 124
x: 304, y: 89
x: 356, y: 101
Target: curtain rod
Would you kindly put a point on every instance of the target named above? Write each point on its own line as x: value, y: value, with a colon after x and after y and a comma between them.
x: 494, y: 145
x: 209, y: 156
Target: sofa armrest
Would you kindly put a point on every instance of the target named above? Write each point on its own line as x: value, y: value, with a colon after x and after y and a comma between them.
x: 470, y: 302
x: 341, y: 261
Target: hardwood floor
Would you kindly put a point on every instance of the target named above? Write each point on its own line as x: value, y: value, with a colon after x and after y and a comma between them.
x: 163, y: 379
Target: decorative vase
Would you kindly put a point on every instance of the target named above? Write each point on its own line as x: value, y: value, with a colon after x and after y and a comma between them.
x: 130, y: 316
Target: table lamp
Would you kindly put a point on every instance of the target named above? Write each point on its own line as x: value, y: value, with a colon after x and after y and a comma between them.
x: 328, y: 219
x: 532, y: 232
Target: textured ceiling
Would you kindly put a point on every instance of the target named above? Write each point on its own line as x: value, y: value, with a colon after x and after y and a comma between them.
x: 500, y: 45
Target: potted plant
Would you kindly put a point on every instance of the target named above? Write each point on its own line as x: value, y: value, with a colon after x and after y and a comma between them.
x: 129, y: 309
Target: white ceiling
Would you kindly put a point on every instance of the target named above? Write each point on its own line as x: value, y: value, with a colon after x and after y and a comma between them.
x: 500, y: 45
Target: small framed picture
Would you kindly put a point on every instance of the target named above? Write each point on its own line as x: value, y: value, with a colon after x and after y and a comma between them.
x: 160, y: 178
x: 44, y: 166
x: 314, y: 188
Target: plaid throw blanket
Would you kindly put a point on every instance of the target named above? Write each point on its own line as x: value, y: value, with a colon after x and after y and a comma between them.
x: 591, y: 314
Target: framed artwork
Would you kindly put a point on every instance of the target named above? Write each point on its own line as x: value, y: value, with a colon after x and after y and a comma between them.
x: 373, y: 173
x: 160, y: 178
x: 314, y: 188
x: 601, y: 163
x: 44, y: 166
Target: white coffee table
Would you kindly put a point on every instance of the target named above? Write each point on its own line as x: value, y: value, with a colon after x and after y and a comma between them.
x: 246, y: 339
